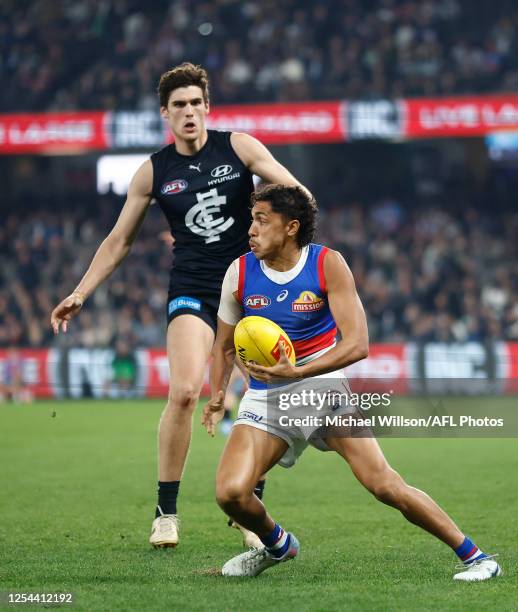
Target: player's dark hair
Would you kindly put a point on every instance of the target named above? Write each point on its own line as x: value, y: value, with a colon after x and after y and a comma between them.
x: 293, y: 203
x: 182, y: 76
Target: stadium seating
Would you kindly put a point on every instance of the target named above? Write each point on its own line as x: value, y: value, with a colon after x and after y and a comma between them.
x: 109, y: 55
x: 422, y: 275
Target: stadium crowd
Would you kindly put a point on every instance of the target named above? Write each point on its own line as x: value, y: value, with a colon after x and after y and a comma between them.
x: 108, y: 54
x: 423, y: 274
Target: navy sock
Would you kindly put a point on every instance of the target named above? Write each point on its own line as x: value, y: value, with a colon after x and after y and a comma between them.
x: 469, y: 552
x: 167, y: 494
x: 259, y: 488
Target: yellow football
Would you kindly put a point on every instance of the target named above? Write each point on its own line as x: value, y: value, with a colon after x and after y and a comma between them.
x: 258, y: 339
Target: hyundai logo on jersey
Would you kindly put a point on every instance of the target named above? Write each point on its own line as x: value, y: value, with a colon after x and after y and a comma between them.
x: 222, y: 170
x: 257, y: 301
x: 173, y: 187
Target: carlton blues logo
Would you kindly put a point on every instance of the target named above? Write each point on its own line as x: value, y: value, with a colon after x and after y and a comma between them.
x: 206, y: 219
x: 173, y: 187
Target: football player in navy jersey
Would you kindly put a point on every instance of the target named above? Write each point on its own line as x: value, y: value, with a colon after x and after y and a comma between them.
x: 309, y: 291
x: 203, y: 183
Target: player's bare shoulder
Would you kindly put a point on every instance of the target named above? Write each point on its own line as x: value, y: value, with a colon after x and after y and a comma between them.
x: 335, y: 258
x: 336, y: 271
x: 141, y: 185
x: 136, y: 205
x: 260, y: 161
x: 246, y: 147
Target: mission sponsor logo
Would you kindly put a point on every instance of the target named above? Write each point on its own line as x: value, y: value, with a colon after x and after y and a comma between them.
x: 307, y: 302
x: 174, y: 187
x: 257, y: 301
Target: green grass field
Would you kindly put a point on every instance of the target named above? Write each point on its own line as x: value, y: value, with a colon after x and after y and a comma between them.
x: 77, y: 498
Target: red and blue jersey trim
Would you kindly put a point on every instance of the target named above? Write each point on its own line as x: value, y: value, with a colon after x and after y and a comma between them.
x: 303, y: 348
x: 242, y: 274
x: 320, y: 269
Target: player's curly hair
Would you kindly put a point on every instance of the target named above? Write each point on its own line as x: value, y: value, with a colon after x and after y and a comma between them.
x: 182, y: 76
x: 293, y: 203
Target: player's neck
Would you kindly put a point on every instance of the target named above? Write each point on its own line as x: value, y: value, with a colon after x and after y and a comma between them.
x: 191, y: 147
x: 286, y: 259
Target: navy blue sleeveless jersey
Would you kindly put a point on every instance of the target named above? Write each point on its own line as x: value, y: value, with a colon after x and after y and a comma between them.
x: 299, y: 306
x: 206, y: 200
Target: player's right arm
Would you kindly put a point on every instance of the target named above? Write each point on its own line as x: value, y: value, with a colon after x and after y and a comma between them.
x: 258, y: 159
x: 223, y: 351
x: 113, y: 249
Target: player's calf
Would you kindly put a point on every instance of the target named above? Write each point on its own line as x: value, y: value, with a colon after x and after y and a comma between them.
x: 417, y: 507
x: 250, y: 539
x: 236, y: 499
x: 388, y: 488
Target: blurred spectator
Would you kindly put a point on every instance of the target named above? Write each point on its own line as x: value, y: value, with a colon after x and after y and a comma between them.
x: 84, y: 54
x: 12, y: 384
x: 423, y: 273
x: 124, y: 370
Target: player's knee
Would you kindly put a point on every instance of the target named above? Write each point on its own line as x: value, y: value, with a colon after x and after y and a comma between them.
x: 231, y: 493
x: 183, y: 396
x: 387, y: 488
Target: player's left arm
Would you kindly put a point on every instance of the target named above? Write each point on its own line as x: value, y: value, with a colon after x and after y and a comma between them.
x: 260, y: 161
x: 349, y: 316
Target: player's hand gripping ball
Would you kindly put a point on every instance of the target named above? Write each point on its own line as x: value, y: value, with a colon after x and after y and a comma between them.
x: 257, y: 340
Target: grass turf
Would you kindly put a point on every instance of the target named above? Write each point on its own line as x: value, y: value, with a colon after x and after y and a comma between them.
x: 78, y: 487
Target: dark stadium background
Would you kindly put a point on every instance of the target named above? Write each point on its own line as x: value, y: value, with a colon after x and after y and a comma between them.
x: 402, y: 117
x: 387, y: 110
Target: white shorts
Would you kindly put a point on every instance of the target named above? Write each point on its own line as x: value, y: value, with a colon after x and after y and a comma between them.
x: 260, y: 408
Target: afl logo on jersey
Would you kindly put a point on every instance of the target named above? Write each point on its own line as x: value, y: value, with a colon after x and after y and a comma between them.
x: 173, y: 187
x: 257, y: 301
x: 220, y: 171
x: 307, y: 302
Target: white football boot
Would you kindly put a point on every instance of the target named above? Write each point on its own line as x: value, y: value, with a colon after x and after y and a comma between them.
x: 483, y: 569
x: 250, y: 539
x: 255, y: 561
x: 164, y: 531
